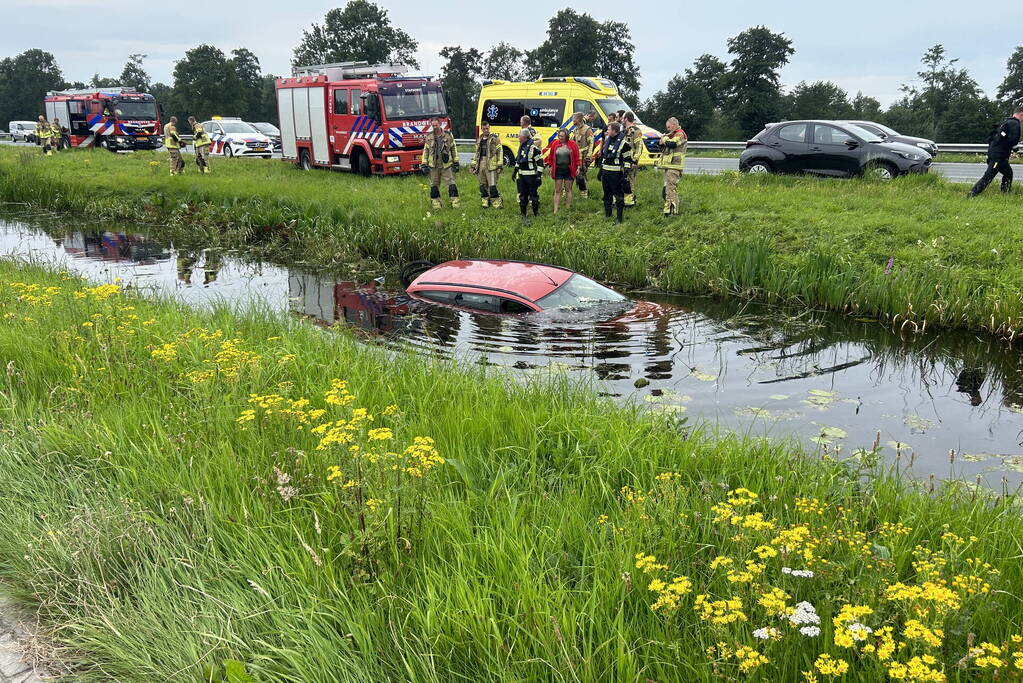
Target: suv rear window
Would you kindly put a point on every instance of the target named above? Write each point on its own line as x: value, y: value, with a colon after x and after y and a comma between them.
x: 795, y: 132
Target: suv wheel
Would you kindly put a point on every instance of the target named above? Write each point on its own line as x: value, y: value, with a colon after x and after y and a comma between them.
x: 760, y: 166
x: 882, y: 171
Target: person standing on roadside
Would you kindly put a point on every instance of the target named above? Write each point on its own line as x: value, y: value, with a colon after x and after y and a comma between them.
x: 439, y: 155
x: 1001, y: 147
x: 615, y: 160
x: 172, y: 141
x: 528, y: 173
x: 635, y: 137
x: 56, y: 135
x: 43, y: 134
x: 526, y: 123
x: 564, y: 159
x: 672, y: 162
x: 201, y: 143
x: 487, y: 164
x: 582, y: 136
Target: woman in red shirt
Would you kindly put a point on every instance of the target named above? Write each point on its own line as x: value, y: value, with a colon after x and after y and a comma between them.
x: 563, y: 158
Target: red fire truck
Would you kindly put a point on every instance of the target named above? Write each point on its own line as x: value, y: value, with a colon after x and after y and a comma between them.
x: 355, y: 116
x: 115, y: 118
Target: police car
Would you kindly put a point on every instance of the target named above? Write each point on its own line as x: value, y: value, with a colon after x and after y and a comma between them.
x: 232, y: 137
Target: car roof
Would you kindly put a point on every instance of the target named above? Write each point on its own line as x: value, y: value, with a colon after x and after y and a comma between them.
x: 527, y: 280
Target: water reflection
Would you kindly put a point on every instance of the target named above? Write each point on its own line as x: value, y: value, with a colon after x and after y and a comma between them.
x: 824, y: 379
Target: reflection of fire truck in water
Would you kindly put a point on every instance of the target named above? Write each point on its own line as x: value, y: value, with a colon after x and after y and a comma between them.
x: 114, y: 118
x: 354, y: 116
x: 115, y: 246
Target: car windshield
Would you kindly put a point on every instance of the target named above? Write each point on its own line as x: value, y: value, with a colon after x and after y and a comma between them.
x: 141, y: 111
x: 266, y: 128
x: 413, y: 101
x: 863, y: 133
x: 884, y: 129
x: 239, y: 127
x: 579, y: 292
x: 613, y: 105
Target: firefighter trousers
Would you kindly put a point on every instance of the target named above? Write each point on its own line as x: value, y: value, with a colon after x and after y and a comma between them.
x: 582, y: 175
x: 613, y: 183
x: 630, y: 185
x: 994, y: 167
x: 202, y: 158
x: 488, y: 183
x: 445, y: 174
x: 529, y: 192
x: 177, y: 164
x: 671, y: 178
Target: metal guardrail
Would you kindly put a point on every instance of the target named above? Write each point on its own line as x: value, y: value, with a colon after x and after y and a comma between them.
x: 741, y: 144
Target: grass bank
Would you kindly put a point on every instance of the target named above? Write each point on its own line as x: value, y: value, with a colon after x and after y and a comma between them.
x: 915, y: 250
x: 233, y: 498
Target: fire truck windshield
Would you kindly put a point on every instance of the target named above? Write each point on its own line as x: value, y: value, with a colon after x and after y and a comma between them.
x: 142, y: 111
x: 413, y: 101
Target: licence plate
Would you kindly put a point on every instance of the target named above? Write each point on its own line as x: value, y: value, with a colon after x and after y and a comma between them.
x: 260, y: 149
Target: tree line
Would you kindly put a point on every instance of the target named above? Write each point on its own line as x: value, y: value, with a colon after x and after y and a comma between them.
x: 715, y: 98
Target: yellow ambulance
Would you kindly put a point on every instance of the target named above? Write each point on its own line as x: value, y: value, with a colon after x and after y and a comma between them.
x: 550, y: 103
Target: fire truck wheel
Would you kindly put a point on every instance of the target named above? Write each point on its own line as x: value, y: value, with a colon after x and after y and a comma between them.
x: 303, y: 160
x: 362, y: 165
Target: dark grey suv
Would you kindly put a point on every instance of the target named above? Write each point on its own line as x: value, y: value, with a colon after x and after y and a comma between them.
x: 891, y: 135
x: 829, y: 148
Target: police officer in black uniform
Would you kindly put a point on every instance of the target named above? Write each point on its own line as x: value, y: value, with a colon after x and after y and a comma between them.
x: 1000, y: 149
x: 528, y: 172
x: 615, y: 160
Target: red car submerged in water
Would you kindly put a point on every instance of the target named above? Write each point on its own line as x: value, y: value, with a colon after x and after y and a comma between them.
x: 497, y: 286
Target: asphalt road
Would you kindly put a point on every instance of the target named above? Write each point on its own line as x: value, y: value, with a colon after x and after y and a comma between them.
x: 957, y: 172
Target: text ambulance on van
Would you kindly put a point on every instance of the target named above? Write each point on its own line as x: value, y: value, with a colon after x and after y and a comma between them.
x: 550, y: 103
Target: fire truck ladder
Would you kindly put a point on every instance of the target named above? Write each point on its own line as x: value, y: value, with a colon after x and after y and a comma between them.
x: 343, y: 70
x: 117, y: 90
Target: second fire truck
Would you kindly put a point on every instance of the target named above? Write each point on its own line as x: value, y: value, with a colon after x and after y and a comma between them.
x: 371, y: 119
x: 115, y: 118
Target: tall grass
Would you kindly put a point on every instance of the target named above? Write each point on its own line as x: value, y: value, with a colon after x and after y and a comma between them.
x: 818, y: 242
x: 165, y: 533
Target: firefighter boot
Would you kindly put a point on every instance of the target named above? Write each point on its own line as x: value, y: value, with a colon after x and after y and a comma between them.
x: 484, y: 197
x: 453, y: 196
x: 585, y: 194
x: 496, y: 202
x: 435, y: 197
x: 630, y: 199
x: 667, y: 207
x: 495, y: 198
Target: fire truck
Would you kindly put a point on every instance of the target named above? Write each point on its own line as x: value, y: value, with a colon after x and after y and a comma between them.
x: 355, y: 116
x: 114, y: 118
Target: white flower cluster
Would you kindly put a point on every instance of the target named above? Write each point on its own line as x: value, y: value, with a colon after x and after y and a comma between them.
x: 767, y: 633
x: 804, y: 613
x: 799, y: 573
x: 859, y: 631
x: 810, y: 631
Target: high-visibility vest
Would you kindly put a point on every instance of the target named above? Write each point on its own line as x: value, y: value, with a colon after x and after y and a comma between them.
x: 673, y: 151
x: 170, y: 137
x: 43, y: 130
x: 200, y: 138
x: 616, y: 155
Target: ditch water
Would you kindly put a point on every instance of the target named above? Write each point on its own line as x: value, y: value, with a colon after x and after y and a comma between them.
x: 825, y: 380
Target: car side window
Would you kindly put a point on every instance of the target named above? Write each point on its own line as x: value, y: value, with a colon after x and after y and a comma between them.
x: 829, y: 135
x: 503, y: 112
x: 793, y: 133
x: 208, y: 127
x: 477, y: 302
x: 513, y: 306
x: 439, y: 296
x: 341, y: 101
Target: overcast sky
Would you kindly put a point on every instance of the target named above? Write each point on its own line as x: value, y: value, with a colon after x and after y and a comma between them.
x: 869, y: 45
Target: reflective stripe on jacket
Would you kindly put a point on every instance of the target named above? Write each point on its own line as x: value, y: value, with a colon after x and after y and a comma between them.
x: 170, y: 137
x: 529, y: 160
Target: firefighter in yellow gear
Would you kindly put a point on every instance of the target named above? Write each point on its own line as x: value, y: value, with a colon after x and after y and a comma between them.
x: 43, y: 134
x: 672, y: 162
x: 201, y: 142
x: 439, y: 156
x: 172, y: 141
x: 582, y: 134
x: 487, y: 164
x: 634, y: 136
x: 56, y: 135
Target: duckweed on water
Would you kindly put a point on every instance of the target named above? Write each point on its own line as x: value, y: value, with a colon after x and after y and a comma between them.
x: 255, y: 496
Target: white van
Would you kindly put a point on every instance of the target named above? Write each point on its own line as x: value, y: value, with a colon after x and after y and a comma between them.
x: 22, y: 131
